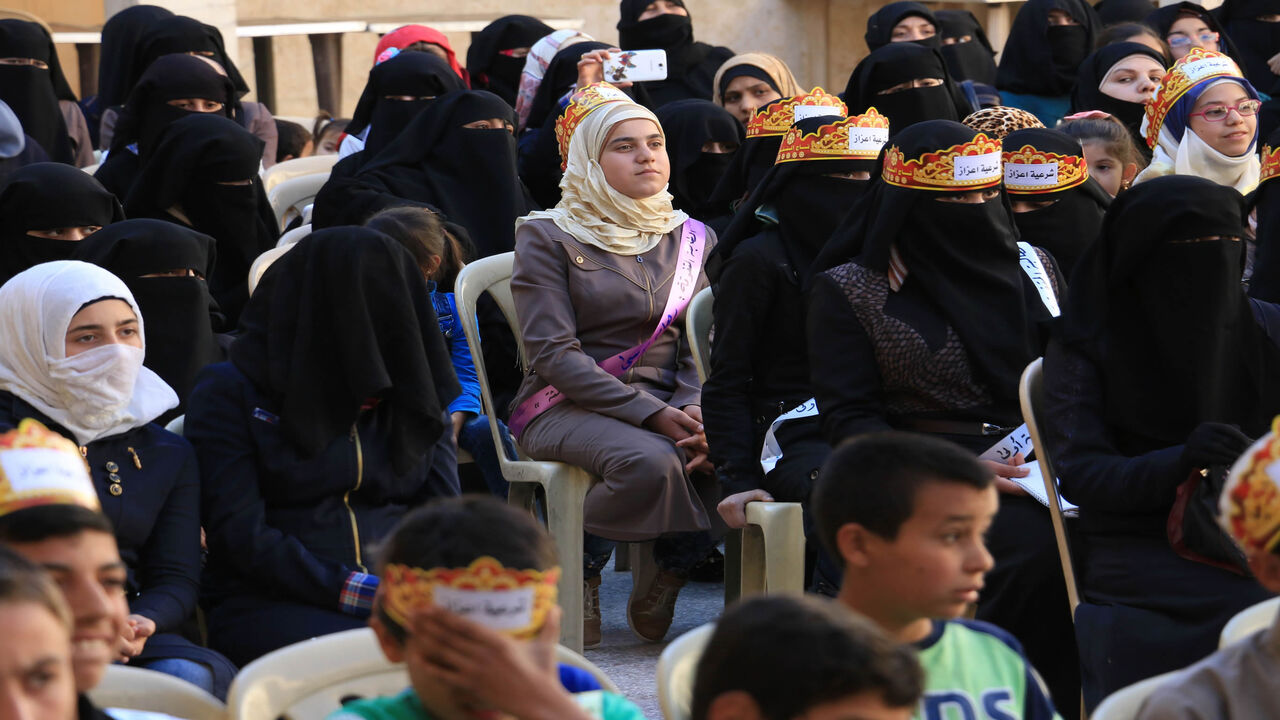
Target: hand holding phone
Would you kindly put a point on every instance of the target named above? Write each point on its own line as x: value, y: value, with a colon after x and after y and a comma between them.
x: 636, y: 66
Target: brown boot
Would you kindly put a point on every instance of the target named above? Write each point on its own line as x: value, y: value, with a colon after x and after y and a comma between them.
x: 591, y: 613
x: 650, y: 609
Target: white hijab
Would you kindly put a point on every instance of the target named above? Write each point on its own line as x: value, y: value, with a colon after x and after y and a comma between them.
x: 1193, y: 156
x: 94, y: 394
x: 590, y: 209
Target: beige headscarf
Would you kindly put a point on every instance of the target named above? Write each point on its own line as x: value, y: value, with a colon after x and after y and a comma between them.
x: 775, y: 67
x: 590, y: 209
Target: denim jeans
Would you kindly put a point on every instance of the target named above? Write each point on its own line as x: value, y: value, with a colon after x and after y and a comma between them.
x: 676, y: 553
x: 196, y: 673
x: 476, y: 439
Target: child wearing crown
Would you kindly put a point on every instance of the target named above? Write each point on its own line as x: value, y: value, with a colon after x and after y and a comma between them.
x: 467, y: 601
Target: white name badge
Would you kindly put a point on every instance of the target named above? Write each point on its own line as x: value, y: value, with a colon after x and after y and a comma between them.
x: 1209, y: 66
x: 867, y: 140
x: 1029, y: 261
x: 771, y: 452
x: 43, y: 470
x: 495, y: 609
x: 1031, y: 175
x: 976, y: 168
x: 803, y: 112
x: 608, y: 92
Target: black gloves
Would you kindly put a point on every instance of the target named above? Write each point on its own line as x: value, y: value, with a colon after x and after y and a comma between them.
x: 1214, y: 443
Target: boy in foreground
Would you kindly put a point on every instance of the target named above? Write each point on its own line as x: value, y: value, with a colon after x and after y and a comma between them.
x: 906, y: 514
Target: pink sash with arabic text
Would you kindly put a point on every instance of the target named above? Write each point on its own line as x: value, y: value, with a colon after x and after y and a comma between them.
x: 693, y: 238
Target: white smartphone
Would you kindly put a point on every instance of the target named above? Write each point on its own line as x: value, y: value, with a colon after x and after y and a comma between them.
x: 636, y: 66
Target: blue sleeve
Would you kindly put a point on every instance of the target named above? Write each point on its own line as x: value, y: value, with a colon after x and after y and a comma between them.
x: 463, y: 366
x: 1267, y: 315
x: 577, y: 680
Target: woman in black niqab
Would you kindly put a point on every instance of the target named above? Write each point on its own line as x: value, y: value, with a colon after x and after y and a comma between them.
x: 1041, y: 60
x: 689, y: 125
x: 887, y: 80
x: 489, y: 60
x: 166, y: 267
x: 148, y: 112
x: 181, y: 34
x: 691, y: 65
x: 1257, y: 40
x: 1088, y: 95
x: 121, y: 40
x: 33, y: 92
x: 204, y: 174
x: 382, y: 108
x: 1264, y: 284
x: 47, y: 196
x: 881, y: 23
x: 973, y: 59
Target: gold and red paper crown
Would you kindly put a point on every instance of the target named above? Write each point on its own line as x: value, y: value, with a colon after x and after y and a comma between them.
x: 967, y: 166
x: 777, y: 118
x: 581, y: 104
x: 1194, y: 68
x: 1270, y: 163
x: 511, y: 601
x: 41, y: 467
x: 854, y: 138
x: 1249, y: 507
x: 1031, y: 172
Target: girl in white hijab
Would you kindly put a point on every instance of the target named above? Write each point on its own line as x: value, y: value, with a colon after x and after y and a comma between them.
x: 592, y: 277
x: 1203, y: 121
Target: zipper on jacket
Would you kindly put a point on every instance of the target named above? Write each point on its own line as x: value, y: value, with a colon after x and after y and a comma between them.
x: 346, y: 497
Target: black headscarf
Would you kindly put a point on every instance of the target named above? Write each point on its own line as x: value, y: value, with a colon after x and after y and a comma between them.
x: 467, y: 174
x: 195, y: 154
x: 963, y: 257
x: 748, y: 167
x: 148, y: 112
x: 1087, y: 96
x: 180, y: 34
x: 897, y: 63
x: 1162, y: 19
x: 973, y: 60
x: 179, y: 313
x: 1265, y: 200
x: 1177, y: 339
x: 121, y: 37
x: 31, y: 92
x: 1255, y: 40
x: 1114, y: 12
x: 881, y: 23
x: 688, y: 125
x: 489, y: 68
x: 560, y: 75
x: 807, y: 204
x: 1073, y: 221
x: 389, y: 345
x: 691, y: 65
x: 1042, y: 60
x: 44, y: 196
x: 416, y: 74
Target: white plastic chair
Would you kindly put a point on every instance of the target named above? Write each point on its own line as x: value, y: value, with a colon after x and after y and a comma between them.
x: 292, y: 236
x: 1031, y: 395
x: 176, y: 425
x: 290, y: 197
x: 262, y: 262
x: 697, y: 323
x: 565, y: 486
x: 677, y: 667
x: 310, y: 679
x: 298, y: 167
x: 91, y: 169
x: 1125, y: 703
x: 1249, y: 621
x: 132, y: 688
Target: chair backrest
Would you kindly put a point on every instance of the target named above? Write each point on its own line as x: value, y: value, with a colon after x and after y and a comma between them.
x: 697, y: 323
x: 91, y: 169
x: 1031, y: 395
x: 1249, y: 621
x: 677, y: 666
x: 298, y: 167
x: 289, y: 197
x: 176, y: 425
x: 132, y: 688
x: 292, y: 236
x: 487, y: 275
x: 312, y: 678
x: 1125, y: 703
x: 262, y: 262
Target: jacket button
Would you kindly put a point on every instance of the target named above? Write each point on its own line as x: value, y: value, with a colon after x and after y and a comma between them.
x: 578, y: 260
x: 112, y: 467
x: 813, y: 475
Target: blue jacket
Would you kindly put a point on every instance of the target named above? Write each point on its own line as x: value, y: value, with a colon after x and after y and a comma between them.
x: 280, y: 526
x: 463, y: 366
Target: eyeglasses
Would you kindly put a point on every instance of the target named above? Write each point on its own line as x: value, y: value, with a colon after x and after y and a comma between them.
x: 1178, y: 40
x: 1218, y: 113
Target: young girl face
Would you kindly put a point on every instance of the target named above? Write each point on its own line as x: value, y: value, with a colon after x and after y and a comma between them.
x: 1110, y: 172
x: 102, y: 323
x: 634, y: 159
x: 1190, y: 32
x: 1232, y: 135
x: 35, y: 664
x: 1133, y: 79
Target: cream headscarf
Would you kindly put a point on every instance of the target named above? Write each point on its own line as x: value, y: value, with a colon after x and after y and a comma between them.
x: 118, y: 394
x: 775, y: 67
x: 1193, y: 156
x: 590, y: 209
